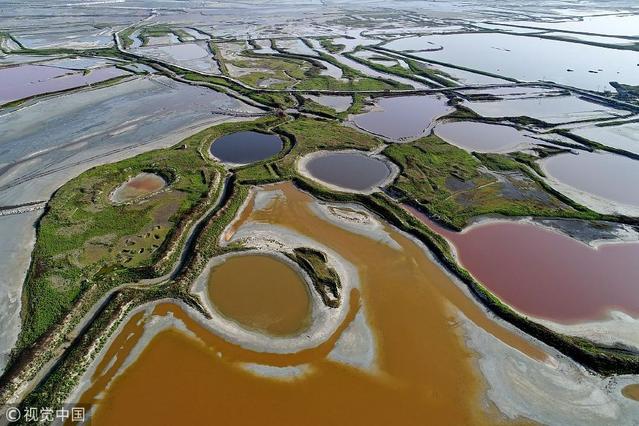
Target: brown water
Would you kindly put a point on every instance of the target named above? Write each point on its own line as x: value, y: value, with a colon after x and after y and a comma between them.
x: 350, y: 170
x: 631, y: 392
x: 114, y: 358
x: 139, y: 186
x: 546, y: 274
x: 425, y: 372
x: 260, y: 292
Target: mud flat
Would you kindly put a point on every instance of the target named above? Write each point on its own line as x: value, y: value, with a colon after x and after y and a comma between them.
x: 190, y: 55
x: 23, y: 59
x: 142, y: 185
x: 483, y: 137
x: 616, y: 329
x: 348, y: 171
x: 245, y: 147
x: 604, y: 182
x: 365, y: 70
x: 611, y: 25
x: 463, y: 76
x: 47, y: 143
x: 75, y: 36
x: 19, y: 234
x: 554, y: 393
x: 593, y: 233
x: 402, y: 118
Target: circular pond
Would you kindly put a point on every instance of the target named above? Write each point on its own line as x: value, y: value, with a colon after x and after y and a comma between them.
x: 246, y: 147
x: 138, y: 186
x: 261, y: 292
x: 348, y: 170
x: 631, y: 392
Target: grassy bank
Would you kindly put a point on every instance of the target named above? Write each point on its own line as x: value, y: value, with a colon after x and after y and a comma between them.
x: 84, y: 239
x: 454, y: 186
x: 324, y: 278
x: 414, y: 69
x: 313, y: 135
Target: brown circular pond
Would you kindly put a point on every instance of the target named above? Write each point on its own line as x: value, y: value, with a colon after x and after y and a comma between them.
x: 138, y: 186
x: 260, y: 292
x: 631, y: 392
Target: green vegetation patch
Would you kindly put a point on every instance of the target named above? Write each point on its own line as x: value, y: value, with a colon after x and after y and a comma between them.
x: 310, y: 106
x: 455, y: 186
x: 424, y: 70
x: 125, y: 37
x: 328, y: 44
x: 272, y: 99
x: 414, y: 69
x: 85, y: 239
x: 160, y: 30
x: 325, y: 279
x: 352, y: 80
x: 274, y: 73
x: 314, y: 135
x: 286, y: 71
x: 262, y: 70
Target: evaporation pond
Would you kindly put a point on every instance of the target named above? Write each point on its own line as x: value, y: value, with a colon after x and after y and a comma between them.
x: 260, y: 292
x: 574, y: 64
x: 546, y: 274
x: 246, y: 147
x: 606, y: 175
x: 139, y: 186
x: 351, y: 170
x: 403, y: 117
x: 29, y: 80
x: 483, y: 137
x: 338, y: 103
